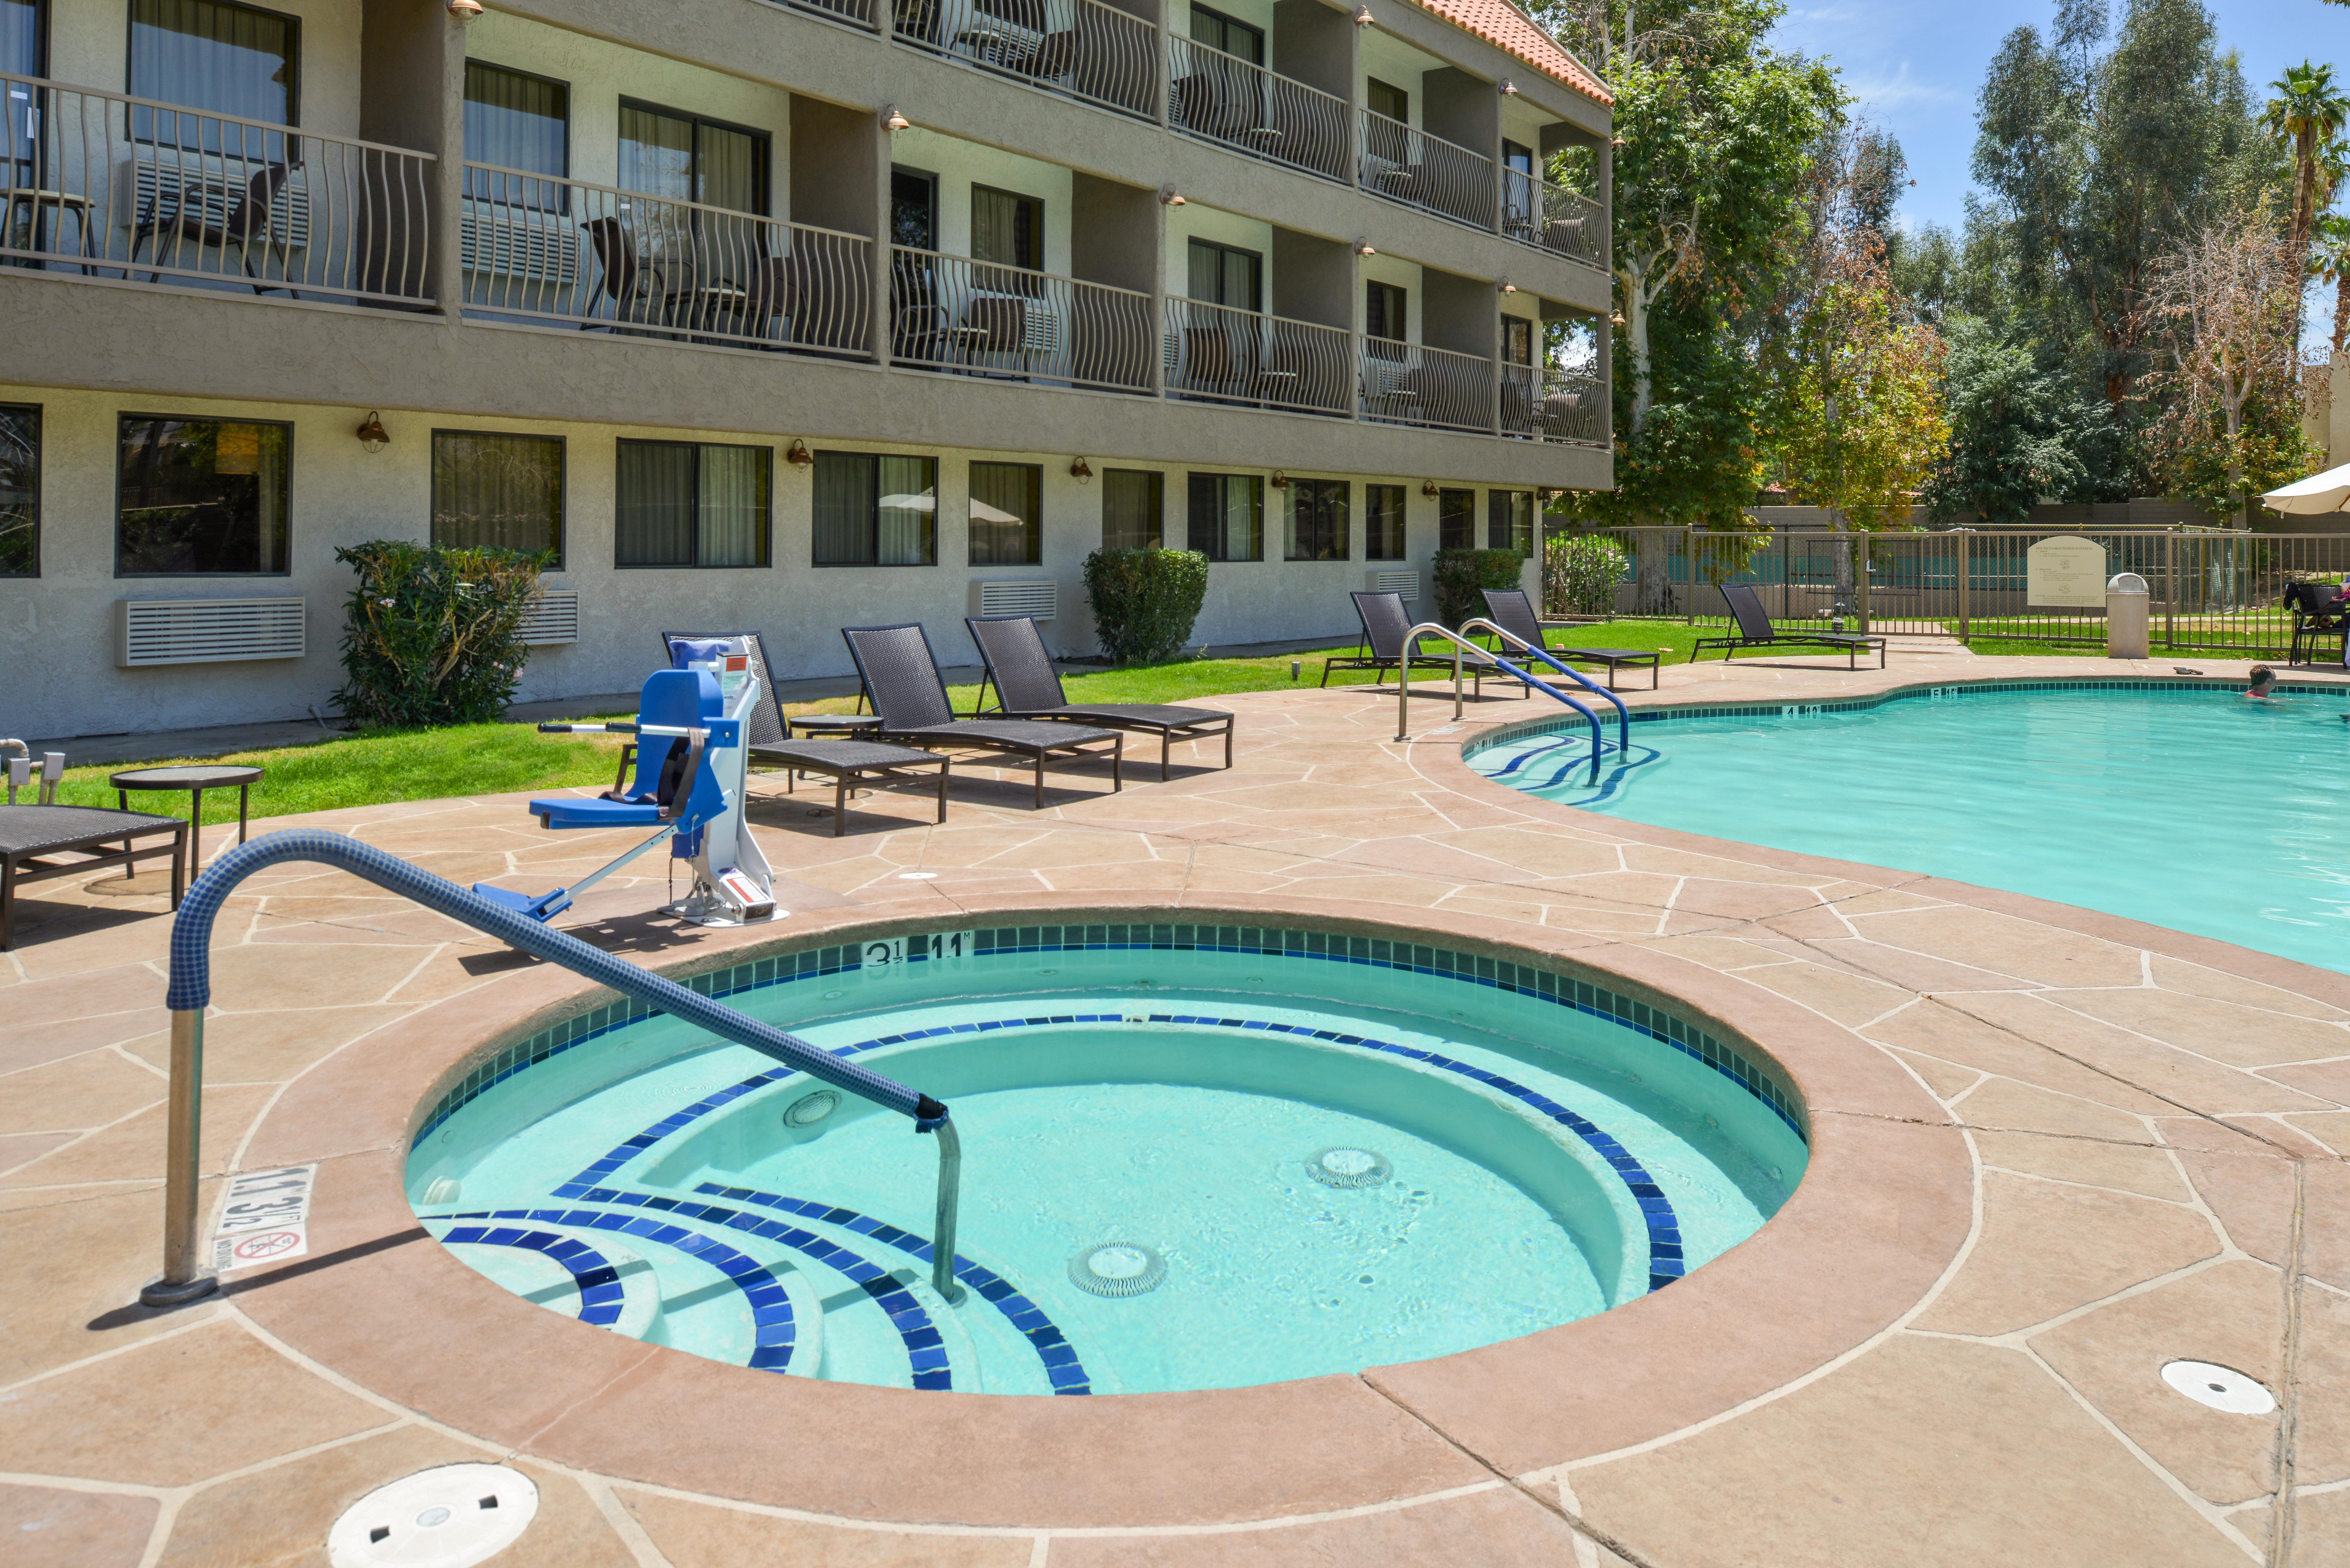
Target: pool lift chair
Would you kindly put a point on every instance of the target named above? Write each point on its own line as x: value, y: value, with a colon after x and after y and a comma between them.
x: 690, y: 791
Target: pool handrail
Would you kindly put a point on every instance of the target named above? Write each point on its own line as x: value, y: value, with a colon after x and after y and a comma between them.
x: 184, y: 1279
x: 1461, y: 647
x: 1623, y: 713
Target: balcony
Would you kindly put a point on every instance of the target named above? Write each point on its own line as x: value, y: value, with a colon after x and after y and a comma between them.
x: 1412, y: 384
x: 1222, y: 97
x: 99, y: 185
x: 1082, y: 48
x: 1217, y: 354
x: 979, y: 319
x: 566, y: 252
x: 1426, y: 171
x: 1550, y: 402
x: 1551, y: 218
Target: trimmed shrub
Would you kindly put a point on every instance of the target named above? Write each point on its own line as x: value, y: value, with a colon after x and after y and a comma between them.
x: 434, y: 636
x: 1463, y: 575
x: 1145, y: 601
x: 1580, y: 572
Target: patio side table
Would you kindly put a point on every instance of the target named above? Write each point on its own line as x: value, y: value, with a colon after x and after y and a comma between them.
x: 195, y: 780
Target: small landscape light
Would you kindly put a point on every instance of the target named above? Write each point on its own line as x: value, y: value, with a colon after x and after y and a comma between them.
x: 371, y: 432
x: 1294, y: 666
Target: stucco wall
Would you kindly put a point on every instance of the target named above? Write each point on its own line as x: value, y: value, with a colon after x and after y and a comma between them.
x: 959, y: 165
x: 89, y: 45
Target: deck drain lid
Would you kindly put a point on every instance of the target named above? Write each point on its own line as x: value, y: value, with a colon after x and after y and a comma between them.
x: 452, y: 1516
x: 2221, y: 1387
x: 810, y: 1109
x: 1349, y: 1168
x: 1118, y: 1269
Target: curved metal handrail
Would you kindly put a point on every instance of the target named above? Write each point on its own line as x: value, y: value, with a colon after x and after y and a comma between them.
x: 1623, y: 713
x: 1462, y: 645
x: 185, y: 1277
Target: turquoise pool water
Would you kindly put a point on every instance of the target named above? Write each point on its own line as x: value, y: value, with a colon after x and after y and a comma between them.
x: 1183, y: 1169
x: 2198, y: 810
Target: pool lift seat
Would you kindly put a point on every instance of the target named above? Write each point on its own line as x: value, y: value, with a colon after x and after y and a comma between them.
x: 690, y: 790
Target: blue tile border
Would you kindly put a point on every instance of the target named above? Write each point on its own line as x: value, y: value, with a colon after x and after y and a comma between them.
x: 600, y: 1295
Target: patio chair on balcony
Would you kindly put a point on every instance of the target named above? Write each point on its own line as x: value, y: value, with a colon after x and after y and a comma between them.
x: 1028, y: 686
x: 622, y: 276
x: 1387, y: 628
x: 253, y: 221
x: 2320, y: 611
x: 1050, y: 60
x: 1207, y: 362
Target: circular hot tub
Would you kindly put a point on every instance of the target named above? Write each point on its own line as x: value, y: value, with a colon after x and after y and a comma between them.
x: 1193, y: 1158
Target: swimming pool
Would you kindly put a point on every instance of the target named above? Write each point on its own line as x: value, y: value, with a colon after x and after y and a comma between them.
x: 2178, y: 804
x: 1194, y: 1156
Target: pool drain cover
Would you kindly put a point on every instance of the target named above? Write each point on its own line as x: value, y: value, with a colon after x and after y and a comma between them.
x: 1118, y: 1269
x: 810, y: 1109
x: 1349, y: 1168
x: 450, y: 1517
x: 2221, y: 1387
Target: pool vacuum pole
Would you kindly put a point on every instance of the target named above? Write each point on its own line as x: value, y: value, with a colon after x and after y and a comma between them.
x: 184, y: 1276
x: 942, y: 1233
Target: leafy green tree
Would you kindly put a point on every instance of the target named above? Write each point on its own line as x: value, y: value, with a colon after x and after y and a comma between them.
x: 2020, y: 431
x: 2306, y: 115
x: 2329, y: 263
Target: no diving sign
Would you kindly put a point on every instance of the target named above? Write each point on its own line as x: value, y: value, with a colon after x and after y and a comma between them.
x: 266, y: 1218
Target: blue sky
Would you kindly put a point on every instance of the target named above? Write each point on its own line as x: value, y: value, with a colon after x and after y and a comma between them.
x: 1916, y: 65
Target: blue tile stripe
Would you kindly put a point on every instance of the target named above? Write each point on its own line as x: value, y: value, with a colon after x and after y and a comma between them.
x: 770, y: 1310
x: 1062, y: 1366
x: 600, y: 1296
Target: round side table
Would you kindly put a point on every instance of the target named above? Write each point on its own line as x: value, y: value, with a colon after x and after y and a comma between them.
x: 195, y: 780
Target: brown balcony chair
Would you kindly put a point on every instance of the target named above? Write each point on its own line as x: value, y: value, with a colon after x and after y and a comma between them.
x: 1561, y: 413
x: 252, y: 220
x: 922, y: 333
x: 622, y: 276
x: 1051, y: 60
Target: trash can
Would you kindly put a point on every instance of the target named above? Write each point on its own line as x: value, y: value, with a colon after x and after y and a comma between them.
x: 2126, y: 605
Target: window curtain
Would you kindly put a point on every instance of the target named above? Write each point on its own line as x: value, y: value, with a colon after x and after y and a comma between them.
x: 908, y: 520
x: 516, y: 122
x: 656, y: 154
x: 845, y: 500
x: 20, y: 38
x: 231, y: 59
x: 728, y: 168
x: 1383, y: 522
x: 1134, y: 509
x: 20, y: 490
x: 1006, y: 515
x: 501, y: 491
x: 653, y: 505
x: 734, y: 505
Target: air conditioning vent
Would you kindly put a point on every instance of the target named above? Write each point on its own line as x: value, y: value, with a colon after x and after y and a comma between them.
x: 1404, y: 583
x: 1041, y: 600
x: 519, y: 244
x: 206, y: 631
x: 207, y: 190
x: 555, y: 618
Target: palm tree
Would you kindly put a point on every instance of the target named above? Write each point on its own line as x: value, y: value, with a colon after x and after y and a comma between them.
x: 2329, y: 262
x: 2308, y: 114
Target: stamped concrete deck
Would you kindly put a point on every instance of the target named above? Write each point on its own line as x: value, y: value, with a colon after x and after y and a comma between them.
x: 2055, y: 1150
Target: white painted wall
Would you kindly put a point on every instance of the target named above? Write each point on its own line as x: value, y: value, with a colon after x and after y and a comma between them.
x: 961, y: 164
x: 1389, y: 59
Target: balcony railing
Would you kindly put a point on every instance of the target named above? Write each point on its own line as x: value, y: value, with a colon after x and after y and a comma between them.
x: 99, y: 185
x: 1225, y: 99
x: 1408, y: 384
x: 1081, y: 47
x: 617, y: 261
x: 1426, y: 171
x: 1563, y: 221
x: 1548, y: 402
x: 856, y: 13
x: 951, y: 313
x: 1211, y: 351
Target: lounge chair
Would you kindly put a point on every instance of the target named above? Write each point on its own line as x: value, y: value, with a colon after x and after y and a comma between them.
x: 901, y: 676
x: 2320, y: 611
x: 1514, y: 612
x: 1755, y: 630
x: 1028, y: 686
x: 1385, y: 627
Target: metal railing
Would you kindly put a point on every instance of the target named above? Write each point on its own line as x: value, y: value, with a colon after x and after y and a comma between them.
x: 1243, y: 357
x: 1226, y: 98
x: 99, y: 185
x: 604, y: 259
x: 1551, y: 217
x: 1410, y: 384
x: 184, y: 1276
x: 1466, y: 655
x: 1410, y: 166
x: 856, y: 13
x: 1549, y: 402
x: 951, y: 313
x: 1081, y: 47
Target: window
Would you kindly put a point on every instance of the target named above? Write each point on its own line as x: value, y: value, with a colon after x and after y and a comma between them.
x: 1387, y: 98
x: 20, y: 490
x: 498, y: 492
x: 1518, y: 158
x: 20, y: 38
x: 873, y: 510
x: 1383, y: 522
x: 199, y: 495
x: 1228, y: 516
x: 1007, y: 229
x: 1456, y: 519
x: 1383, y: 312
x: 1224, y: 274
x: 209, y: 54
x: 1517, y: 341
x: 914, y: 209
x: 1510, y: 521
x: 1134, y: 509
x: 1384, y: 140
x: 1007, y: 515
x: 1317, y: 520
x: 516, y: 121
x: 688, y: 158
x: 1230, y: 34
x: 683, y: 504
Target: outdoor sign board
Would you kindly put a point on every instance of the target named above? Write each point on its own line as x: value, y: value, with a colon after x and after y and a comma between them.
x: 2065, y: 571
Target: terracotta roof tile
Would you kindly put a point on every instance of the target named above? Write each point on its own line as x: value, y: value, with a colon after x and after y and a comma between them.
x: 1499, y: 23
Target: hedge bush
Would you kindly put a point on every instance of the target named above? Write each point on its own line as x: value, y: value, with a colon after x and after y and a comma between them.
x: 1580, y: 572
x: 1145, y: 601
x: 434, y: 636
x: 1461, y: 575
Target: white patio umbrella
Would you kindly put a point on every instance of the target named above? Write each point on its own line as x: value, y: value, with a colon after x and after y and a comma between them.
x: 2326, y: 491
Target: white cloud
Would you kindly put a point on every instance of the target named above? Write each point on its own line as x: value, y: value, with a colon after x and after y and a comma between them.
x: 1902, y: 91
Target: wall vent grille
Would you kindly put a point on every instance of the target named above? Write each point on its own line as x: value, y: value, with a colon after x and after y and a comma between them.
x: 1042, y: 600
x: 555, y: 618
x: 206, y: 631
x: 1404, y: 583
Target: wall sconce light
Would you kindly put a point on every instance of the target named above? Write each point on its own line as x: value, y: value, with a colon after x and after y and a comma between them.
x: 1509, y: 87
x: 1280, y: 479
x: 371, y: 432
x: 1365, y: 248
x: 1618, y: 143
x: 1081, y: 471
x: 1170, y: 197
x: 1427, y: 488
x: 464, y: 11
x: 1505, y: 285
x: 891, y: 119
x: 1362, y: 16
x: 798, y: 455
x: 1617, y: 319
